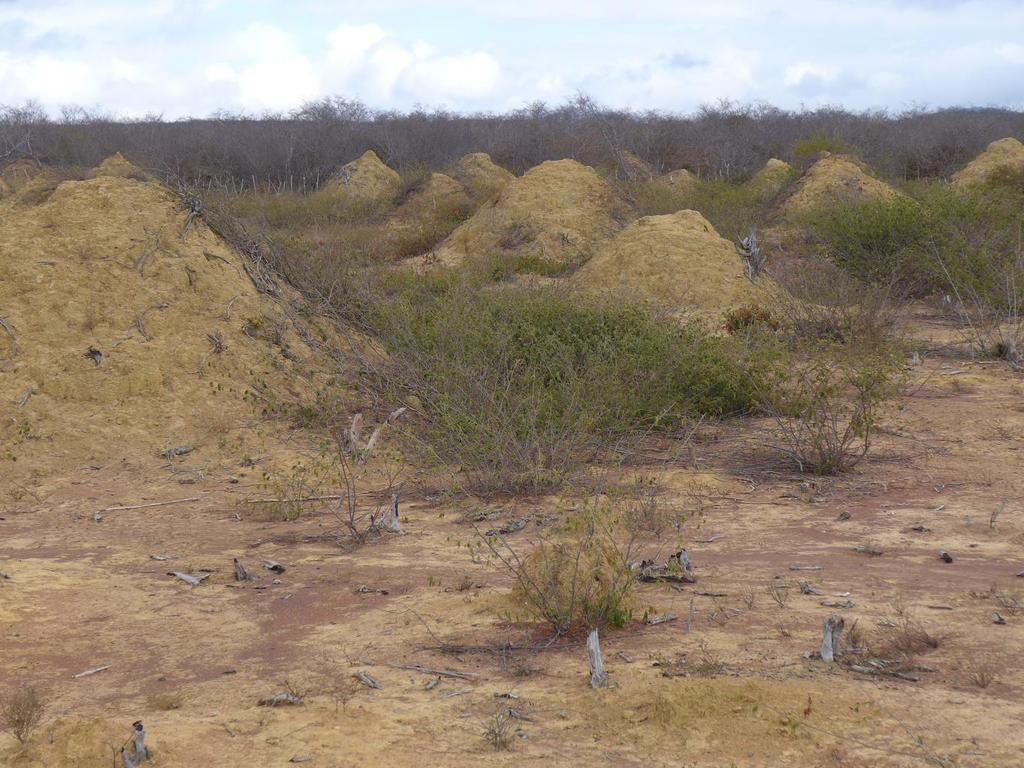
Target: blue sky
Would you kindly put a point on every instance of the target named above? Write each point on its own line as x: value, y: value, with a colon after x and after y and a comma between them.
x: 193, y: 57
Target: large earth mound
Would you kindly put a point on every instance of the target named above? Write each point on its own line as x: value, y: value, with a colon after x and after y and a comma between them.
x: 1005, y: 154
x: 128, y: 329
x: 365, y: 179
x: 557, y: 212
x: 677, y: 262
x: 479, y: 175
x: 771, y: 178
x: 833, y: 179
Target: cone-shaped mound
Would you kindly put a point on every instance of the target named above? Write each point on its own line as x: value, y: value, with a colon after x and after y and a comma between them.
x: 677, y: 261
x: 480, y: 176
x: 680, y: 181
x: 366, y: 179
x: 1005, y: 154
x: 633, y: 168
x: 833, y: 179
x: 772, y: 177
x: 116, y: 165
x: 128, y: 333
x: 440, y: 193
x: 557, y: 212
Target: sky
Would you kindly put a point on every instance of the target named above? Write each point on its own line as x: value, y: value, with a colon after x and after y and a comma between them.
x: 180, y: 58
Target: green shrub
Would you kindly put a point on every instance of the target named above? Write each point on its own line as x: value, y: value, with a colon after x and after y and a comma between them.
x: 880, y: 242
x: 518, y: 388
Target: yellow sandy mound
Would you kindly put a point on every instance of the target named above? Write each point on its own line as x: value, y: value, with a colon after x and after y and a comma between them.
x: 677, y: 261
x: 366, y: 178
x: 124, y: 337
x: 633, y: 168
x: 771, y: 178
x: 116, y: 165
x: 441, y: 193
x: 557, y: 212
x: 480, y: 176
x: 1003, y: 154
x: 679, y: 181
x: 834, y: 178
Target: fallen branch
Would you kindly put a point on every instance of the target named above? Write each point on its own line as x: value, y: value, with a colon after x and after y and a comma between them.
x: 426, y: 670
x: 281, y: 700
x: 152, y: 504
x: 88, y: 672
x: 368, y: 681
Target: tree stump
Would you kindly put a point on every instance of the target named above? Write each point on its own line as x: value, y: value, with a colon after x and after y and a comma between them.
x: 833, y: 630
x: 598, y: 677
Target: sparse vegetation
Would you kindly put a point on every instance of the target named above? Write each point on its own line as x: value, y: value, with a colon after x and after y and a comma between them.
x: 21, y: 711
x: 499, y: 731
x: 580, y: 574
x: 827, y: 402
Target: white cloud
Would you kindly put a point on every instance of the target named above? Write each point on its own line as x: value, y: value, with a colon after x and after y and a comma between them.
x: 272, y: 74
x: 195, y: 56
x: 367, y: 62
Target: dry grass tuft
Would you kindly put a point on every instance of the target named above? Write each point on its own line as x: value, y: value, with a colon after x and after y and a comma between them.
x: 22, y: 712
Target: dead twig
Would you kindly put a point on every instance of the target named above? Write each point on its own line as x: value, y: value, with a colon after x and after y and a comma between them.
x: 10, y: 332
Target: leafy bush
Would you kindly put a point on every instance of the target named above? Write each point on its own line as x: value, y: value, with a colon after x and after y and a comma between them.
x: 878, y: 241
x: 826, y: 399
x: 517, y: 389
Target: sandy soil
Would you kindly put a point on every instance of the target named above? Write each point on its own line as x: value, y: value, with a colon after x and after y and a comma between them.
x: 192, y: 663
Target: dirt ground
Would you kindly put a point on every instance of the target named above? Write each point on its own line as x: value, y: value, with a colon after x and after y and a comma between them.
x: 192, y: 663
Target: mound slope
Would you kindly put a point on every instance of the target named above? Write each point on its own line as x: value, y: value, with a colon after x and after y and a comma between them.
x: 557, y: 212
x: 677, y: 261
x: 126, y: 334
x: 771, y: 178
x: 479, y: 175
x: 834, y: 178
x: 1005, y: 154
